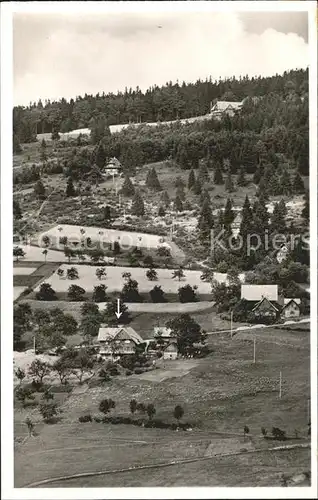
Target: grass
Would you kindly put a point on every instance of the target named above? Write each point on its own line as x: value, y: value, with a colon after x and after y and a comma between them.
x: 261, y: 470
x: 220, y: 394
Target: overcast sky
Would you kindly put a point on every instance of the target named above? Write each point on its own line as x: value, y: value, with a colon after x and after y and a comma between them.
x: 67, y: 55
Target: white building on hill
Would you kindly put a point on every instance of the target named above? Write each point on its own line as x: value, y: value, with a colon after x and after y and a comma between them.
x: 220, y: 108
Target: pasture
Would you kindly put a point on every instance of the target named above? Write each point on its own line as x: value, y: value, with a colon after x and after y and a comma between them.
x: 220, y: 394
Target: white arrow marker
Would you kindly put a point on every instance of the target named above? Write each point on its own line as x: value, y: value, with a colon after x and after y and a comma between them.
x: 118, y: 313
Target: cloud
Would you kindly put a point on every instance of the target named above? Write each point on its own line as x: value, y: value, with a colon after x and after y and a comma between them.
x: 65, y: 56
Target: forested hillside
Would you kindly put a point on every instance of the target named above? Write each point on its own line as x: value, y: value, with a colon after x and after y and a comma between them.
x: 168, y: 102
x: 271, y: 129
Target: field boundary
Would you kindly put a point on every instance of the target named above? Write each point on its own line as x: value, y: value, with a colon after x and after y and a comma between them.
x: 164, y: 464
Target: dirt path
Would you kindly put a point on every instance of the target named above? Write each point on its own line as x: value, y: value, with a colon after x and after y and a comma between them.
x: 163, y: 464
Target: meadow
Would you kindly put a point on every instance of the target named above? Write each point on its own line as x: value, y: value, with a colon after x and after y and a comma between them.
x: 220, y: 395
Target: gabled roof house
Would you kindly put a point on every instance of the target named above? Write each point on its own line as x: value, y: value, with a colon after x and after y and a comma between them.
x: 263, y: 300
x: 117, y: 341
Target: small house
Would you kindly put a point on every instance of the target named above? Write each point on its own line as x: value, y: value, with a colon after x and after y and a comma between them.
x: 112, y: 168
x: 262, y: 302
x: 170, y: 351
x: 163, y: 335
x: 282, y: 253
x: 236, y: 224
x: 291, y: 308
x: 220, y: 108
x: 265, y: 309
x: 117, y: 341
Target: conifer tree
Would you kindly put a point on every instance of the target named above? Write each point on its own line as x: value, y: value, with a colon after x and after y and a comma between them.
x: 152, y: 181
x: 257, y: 175
x: 43, y: 154
x: 182, y: 158
x: 268, y: 172
x: 298, y: 184
x: 278, y: 223
x: 39, y: 190
x: 165, y: 199
x: 70, y: 191
x: 205, y: 222
x: 197, y: 188
x: 128, y: 187
x: 178, y: 205
x: 247, y: 218
x: 218, y: 176
x: 203, y: 174
x: 17, y: 214
x: 180, y: 192
x: 228, y: 214
x: 191, y: 179
x: 262, y: 189
x: 16, y: 145
x: 107, y: 213
x: 241, y: 179
x: 161, y: 211
x: 260, y: 216
x: 306, y: 210
x: 100, y: 158
x: 137, y: 207
x: 229, y: 186
x: 205, y: 196
x: 273, y: 184
x: 285, y: 182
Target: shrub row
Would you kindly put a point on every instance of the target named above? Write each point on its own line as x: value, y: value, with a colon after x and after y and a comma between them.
x: 156, y: 423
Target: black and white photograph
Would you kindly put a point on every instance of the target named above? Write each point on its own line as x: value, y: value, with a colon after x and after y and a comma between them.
x: 159, y: 209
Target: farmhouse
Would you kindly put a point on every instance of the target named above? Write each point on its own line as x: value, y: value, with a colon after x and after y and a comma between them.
x: 113, y: 167
x: 117, y: 341
x: 220, y: 108
x: 291, y: 308
x: 171, y: 351
x: 265, y: 309
x: 262, y: 302
x: 236, y: 224
x: 163, y: 335
x: 282, y: 253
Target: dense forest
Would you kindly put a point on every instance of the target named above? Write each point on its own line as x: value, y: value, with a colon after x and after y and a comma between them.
x: 169, y: 102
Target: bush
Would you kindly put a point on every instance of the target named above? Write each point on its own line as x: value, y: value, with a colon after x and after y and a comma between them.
x: 128, y: 372
x: 278, y: 434
x: 138, y: 371
x: 98, y: 419
x: 187, y: 294
x: 85, y: 418
x: 222, y: 267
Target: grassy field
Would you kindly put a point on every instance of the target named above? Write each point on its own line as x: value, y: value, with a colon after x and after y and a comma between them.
x: 220, y: 394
